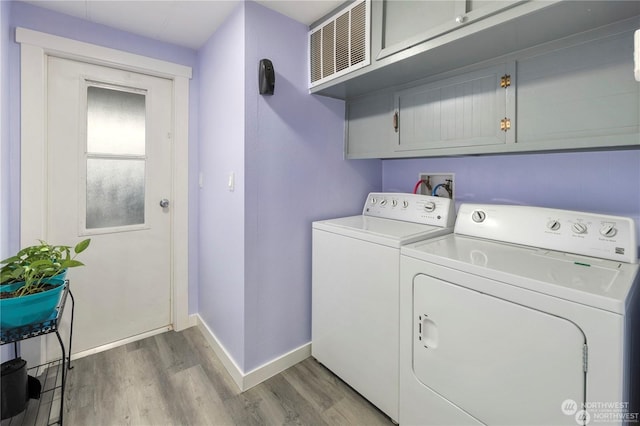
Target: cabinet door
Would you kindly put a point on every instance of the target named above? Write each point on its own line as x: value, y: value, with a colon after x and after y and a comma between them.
x: 466, y: 110
x: 406, y: 23
x: 580, y: 96
x: 370, y: 126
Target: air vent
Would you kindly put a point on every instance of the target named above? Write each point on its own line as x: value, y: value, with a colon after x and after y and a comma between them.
x: 340, y: 44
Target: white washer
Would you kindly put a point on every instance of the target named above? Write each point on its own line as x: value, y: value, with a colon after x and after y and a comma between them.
x: 523, y: 316
x: 355, y: 296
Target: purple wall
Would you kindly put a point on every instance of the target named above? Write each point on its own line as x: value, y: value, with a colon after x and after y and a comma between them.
x: 286, y: 152
x: 295, y: 174
x: 35, y: 18
x: 221, y: 289
x: 603, y: 182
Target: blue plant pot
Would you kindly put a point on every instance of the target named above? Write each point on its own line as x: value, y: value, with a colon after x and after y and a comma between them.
x: 16, y: 285
x: 61, y: 276
x: 34, y: 308
x: 11, y: 286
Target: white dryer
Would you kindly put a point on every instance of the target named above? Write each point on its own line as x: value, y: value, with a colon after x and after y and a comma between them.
x: 523, y: 316
x: 355, y: 288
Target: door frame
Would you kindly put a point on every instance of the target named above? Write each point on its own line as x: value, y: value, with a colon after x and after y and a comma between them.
x: 35, y: 48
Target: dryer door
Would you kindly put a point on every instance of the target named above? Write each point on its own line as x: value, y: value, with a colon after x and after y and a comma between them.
x: 501, y: 362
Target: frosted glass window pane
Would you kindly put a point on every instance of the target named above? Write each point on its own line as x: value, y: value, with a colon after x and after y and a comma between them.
x: 115, y: 121
x: 115, y: 192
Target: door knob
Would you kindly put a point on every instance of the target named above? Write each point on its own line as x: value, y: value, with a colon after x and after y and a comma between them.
x: 164, y: 203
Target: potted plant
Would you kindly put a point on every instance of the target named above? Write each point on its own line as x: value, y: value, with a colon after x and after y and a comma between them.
x: 32, y: 281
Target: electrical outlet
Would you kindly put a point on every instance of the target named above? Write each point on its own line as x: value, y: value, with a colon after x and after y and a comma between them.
x: 438, y: 182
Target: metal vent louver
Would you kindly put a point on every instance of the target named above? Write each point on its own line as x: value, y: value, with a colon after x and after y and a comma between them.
x: 340, y: 44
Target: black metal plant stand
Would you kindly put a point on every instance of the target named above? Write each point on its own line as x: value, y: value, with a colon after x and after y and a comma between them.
x: 17, y: 334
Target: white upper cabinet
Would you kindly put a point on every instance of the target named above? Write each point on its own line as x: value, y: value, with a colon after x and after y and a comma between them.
x: 369, y: 126
x: 411, y: 40
x: 473, y: 109
x: 574, y: 93
x: 407, y: 23
x: 583, y: 95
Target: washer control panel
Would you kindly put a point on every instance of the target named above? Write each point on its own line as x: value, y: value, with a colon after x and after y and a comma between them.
x: 589, y: 234
x: 417, y: 208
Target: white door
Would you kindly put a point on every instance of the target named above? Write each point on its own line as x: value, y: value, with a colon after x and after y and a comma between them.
x: 109, y: 166
x: 502, y: 363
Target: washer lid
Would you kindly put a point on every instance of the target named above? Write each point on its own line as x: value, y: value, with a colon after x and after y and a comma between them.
x: 595, y: 282
x: 388, y: 232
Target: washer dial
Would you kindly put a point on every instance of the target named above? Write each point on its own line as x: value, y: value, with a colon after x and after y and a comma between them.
x: 608, y: 230
x: 553, y: 225
x: 579, y: 228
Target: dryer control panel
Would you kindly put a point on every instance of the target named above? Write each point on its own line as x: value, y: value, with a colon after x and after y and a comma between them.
x: 588, y: 234
x: 417, y: 208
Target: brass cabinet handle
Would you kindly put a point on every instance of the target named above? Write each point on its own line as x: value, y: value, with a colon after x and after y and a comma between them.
x: 395, y: 121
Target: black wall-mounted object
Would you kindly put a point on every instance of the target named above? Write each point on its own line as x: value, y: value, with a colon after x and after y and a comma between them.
x: 266, y: 77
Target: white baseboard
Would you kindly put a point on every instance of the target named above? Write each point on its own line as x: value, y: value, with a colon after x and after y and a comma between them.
x: 259, y: 374
x: 193, y: 320
x: 278, y: 365
x: 228, y: 362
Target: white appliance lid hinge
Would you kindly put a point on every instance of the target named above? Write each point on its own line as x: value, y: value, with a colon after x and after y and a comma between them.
x: 585, y: 357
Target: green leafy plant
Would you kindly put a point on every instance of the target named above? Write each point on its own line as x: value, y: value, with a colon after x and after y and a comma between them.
x: 35, y: 263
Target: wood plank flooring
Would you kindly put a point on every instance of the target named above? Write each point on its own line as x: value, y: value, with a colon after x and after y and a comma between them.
x: 175, y: 378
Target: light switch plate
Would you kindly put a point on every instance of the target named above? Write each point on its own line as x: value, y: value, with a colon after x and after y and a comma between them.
x: 231, y: 183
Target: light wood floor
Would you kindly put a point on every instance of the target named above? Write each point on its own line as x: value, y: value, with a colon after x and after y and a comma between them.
x: 176, y: 379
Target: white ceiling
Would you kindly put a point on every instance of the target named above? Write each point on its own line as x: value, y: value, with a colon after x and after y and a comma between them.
x: 187, y: 23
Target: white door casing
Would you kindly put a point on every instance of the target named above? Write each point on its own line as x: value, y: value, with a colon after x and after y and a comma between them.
x: 36, y: 47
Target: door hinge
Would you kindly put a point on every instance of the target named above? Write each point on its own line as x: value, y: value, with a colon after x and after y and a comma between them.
x: 505, y: 81
x: 505, y: 124
x: 585, y: 358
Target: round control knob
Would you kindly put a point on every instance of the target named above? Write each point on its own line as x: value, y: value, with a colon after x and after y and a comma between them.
x: 553, y: 225
x: 405, y: 204
x: 478, y: 216
x: 394, y: 203
x: 579, y: 228
x: 374, y: 200
x: 429, y: 206
x: 608, y: 230
x: 383, y: 202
